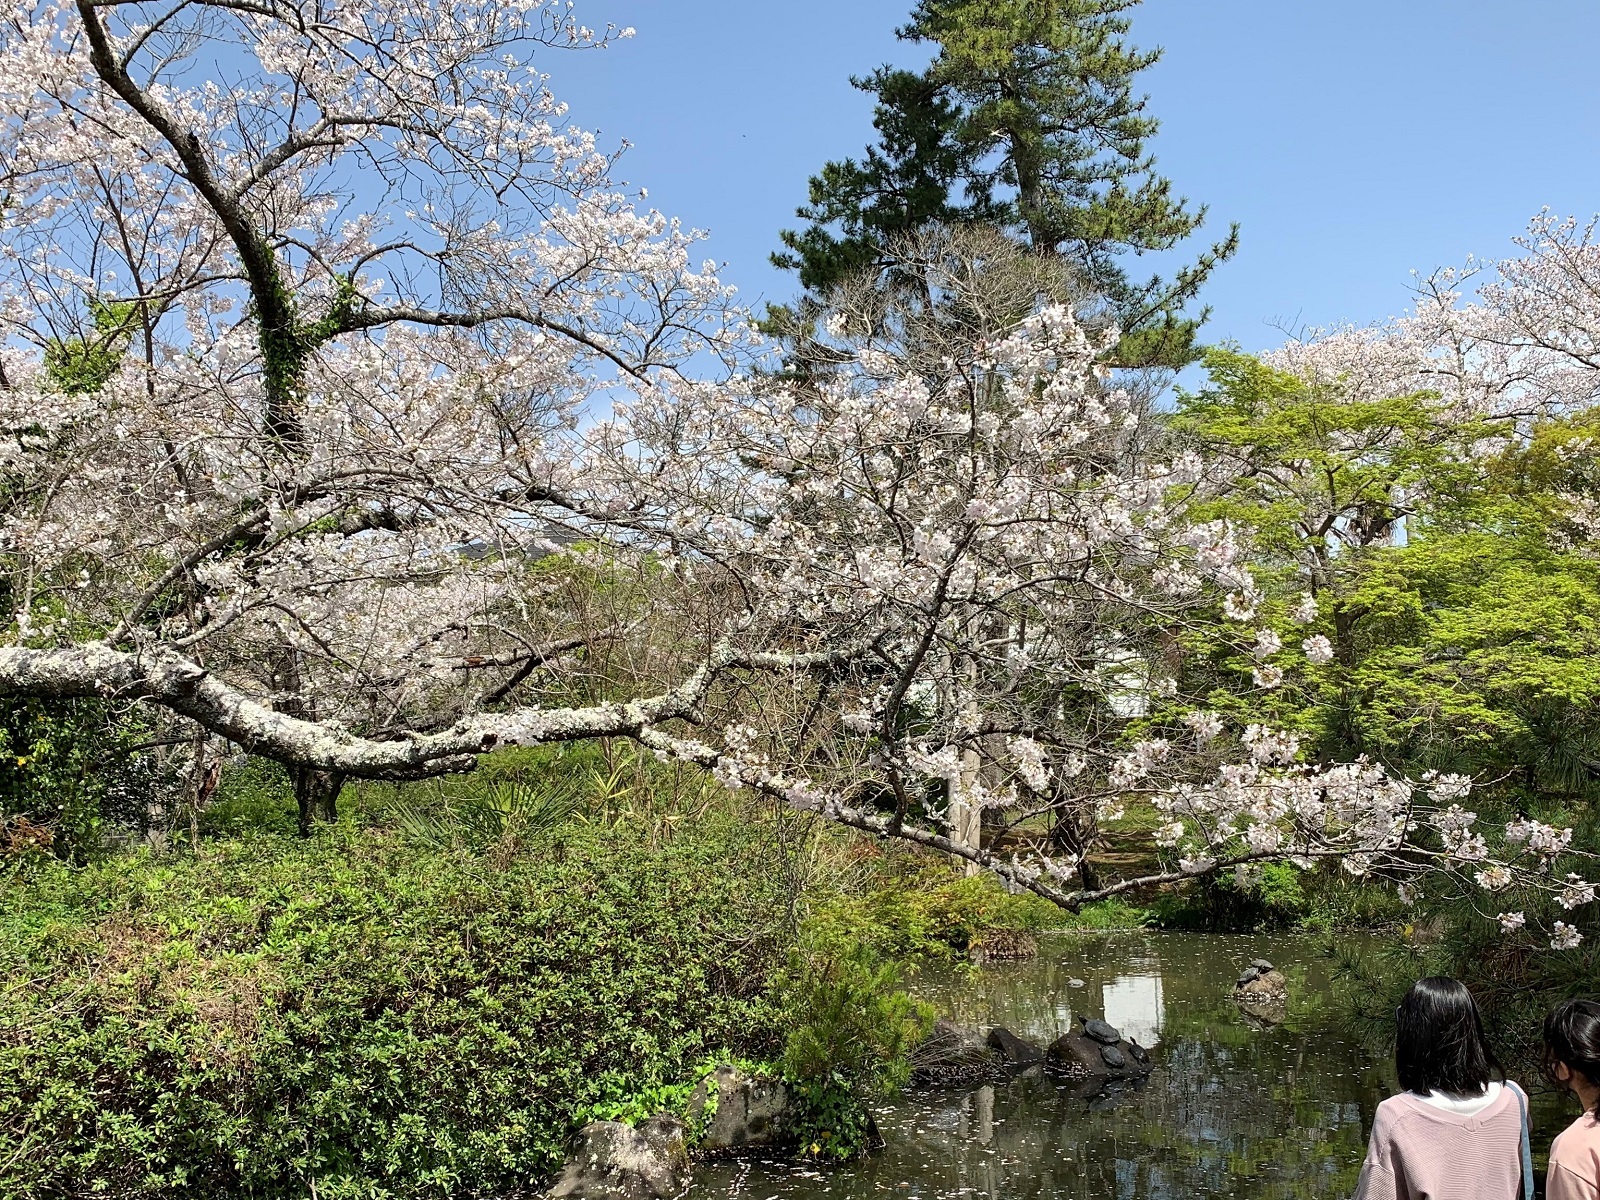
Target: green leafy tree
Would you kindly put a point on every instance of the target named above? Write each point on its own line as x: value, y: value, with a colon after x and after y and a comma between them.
x: 1478, y: 652
x: 1319, y: 473
x: 1452, y: 581
x: 1026, y: 117
x: 1455, y: 623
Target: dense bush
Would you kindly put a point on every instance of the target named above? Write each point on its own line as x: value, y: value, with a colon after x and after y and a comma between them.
x: 912, y: 906
x: 251, y: 799
x: 363, y: 1017
x: 850, y: 1038
x: 73, y: 769
x: 1279, y: 896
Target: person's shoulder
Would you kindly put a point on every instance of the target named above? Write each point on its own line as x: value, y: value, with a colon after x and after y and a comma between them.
x: 1395, y: 1110
x: 1400, y: 1102
x: 1578, y: 1142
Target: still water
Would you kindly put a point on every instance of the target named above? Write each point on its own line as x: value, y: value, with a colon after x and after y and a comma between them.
x: 1234, y: 1107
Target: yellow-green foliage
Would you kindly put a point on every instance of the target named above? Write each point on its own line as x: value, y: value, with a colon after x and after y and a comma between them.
x: 86, y: 364
x: 921, y: 907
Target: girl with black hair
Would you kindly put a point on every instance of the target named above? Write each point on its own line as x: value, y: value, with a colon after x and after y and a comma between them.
x: 1459, y: 1131
x: 1572, y: 1057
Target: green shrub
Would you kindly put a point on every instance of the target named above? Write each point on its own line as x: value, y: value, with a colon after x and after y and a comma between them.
x: 835, y: 1125
x: 74, y: 769
x: 1112, y: 914
x: 928, y: 911
x: 918, y: 907
x: 253, y: 798
x: 353, y: 1015
x: 851, y: 1033
x: 1279, y: 896
x: 850, y: 1019
x: 505, y: 815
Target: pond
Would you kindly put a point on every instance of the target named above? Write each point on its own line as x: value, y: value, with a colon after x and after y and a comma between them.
x: 1234, y: 1108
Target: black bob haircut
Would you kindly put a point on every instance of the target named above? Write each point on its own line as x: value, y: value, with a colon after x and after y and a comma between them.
x: 1572, y: 1036
x: 1439, y: 1044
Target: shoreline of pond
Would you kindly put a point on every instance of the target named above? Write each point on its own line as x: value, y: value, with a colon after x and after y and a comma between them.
x: 1276, y: 1110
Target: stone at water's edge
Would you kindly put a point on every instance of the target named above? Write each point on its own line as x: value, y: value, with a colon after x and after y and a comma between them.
x: 751, y: 1112
x: 618, y: 1162
x: 951, y: 1056
x: 1004, y: 945
x: 1079, y: 1056
x: 613, y: 1161
x: 1019, y: 1052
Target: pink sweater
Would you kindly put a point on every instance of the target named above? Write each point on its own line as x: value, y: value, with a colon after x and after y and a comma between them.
x: 1575, y: 1162
x: 1421, y: 1152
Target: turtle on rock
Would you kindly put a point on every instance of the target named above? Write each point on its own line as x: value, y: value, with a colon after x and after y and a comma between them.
x: 1105, y: 1034
x: 1261, y: 965
x: 1251, y: 974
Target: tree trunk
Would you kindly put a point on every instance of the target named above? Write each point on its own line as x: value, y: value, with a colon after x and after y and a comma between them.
x: 317, y: 795
x: 1087, y: 875
x: 1068, y: 834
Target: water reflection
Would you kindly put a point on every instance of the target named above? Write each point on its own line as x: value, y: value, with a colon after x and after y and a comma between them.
x: 1231, y: 1110
x: 1133, y: 1004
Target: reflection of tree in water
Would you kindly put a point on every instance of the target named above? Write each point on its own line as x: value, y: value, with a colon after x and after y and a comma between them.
x: 1276, y: 1114
x: 1214, y: 1117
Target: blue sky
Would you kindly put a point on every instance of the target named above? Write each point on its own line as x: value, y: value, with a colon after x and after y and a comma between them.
x: 1354, y: 141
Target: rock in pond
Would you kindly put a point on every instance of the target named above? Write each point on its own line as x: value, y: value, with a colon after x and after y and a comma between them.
x: 1019, y: 1052
x: 1263, y: 995
x: 1080, y: 1056
x: 952, y: 1055
x: 750, y: 1112
x: 1262, y: 987
x: 1004, y: 945
x: 619, y: 1162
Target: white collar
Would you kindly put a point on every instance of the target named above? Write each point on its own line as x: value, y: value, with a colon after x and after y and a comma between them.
x: 1464, y: 1106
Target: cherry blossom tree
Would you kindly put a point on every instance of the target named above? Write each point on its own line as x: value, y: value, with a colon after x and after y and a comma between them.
x: 1514, y: 338
x: 355, y: 416
x: 344, y: 275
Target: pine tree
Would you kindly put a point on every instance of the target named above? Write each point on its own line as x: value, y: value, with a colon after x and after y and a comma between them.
x: 907, y: 182
x: 1027, y: 117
